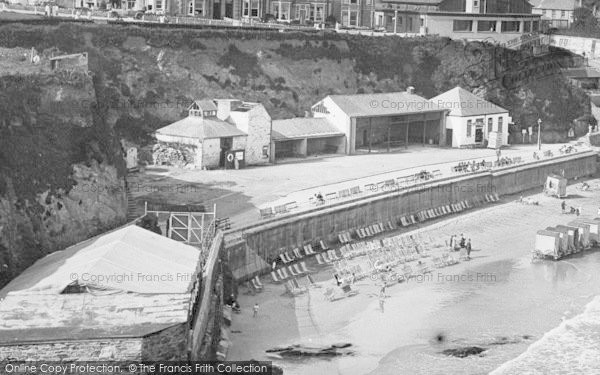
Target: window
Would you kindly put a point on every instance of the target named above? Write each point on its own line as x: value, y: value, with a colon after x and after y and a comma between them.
x: 353, y: 18
x: 191, y: 8
x: 510, y: 26
x: 499, y: 124
x: 158, y: 4
x: 369, y: 2
x: 490, y: 124
x: 475, y: 3
x: 422, y: 22
x: 462, y: 25
x: 563, y: 14
x: 469, y: 126
x: 130, y: 4
x: 486, y: 26
x: 527, y: 26
x: 250, y: 8
x: 353, y: 1
x: 319, y: 12
x: 553, y: 14
x: 535, y: 26
x: 399, y: 20
x: 409, y: 20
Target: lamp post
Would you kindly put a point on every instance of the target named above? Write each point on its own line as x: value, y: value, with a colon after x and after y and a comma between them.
x: 539, y: 121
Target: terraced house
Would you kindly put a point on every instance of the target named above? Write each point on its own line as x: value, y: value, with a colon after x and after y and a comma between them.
x: 494, y: 20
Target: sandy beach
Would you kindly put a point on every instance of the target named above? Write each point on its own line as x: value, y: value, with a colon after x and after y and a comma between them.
x: 499, y: 300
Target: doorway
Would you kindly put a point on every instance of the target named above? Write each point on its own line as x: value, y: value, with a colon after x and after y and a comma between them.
x: 449, y: 137
x: 226, y: 145
x: 479, y: 134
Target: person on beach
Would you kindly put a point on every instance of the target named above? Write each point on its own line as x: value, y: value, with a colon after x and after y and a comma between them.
x: 255, y: 309
x: 381, y: 301
x: 579, y: 210
x: 462, y: 241
x: 563, y: 206
x: 468, y: 246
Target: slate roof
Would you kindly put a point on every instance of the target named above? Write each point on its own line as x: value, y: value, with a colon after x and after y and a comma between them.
x: 393, y: 103
x: 303, y: 127
x: 201, y: 128
x: 463, y: 103
x: 205, y: 105
x: 557, y: 4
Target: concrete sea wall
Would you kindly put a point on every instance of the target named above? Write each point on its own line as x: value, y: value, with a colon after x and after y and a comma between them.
x: 252, y: 250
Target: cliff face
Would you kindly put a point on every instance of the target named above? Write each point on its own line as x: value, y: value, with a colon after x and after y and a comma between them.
x: 59, y: 180
x: 61, y: 130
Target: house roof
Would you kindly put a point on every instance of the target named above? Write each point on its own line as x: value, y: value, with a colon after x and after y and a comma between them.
x: 303, y: 127
x: 129, y: 250
x: 414, y: 2
x: 557, y: 4
x: 205, y: 105
x: 201, y: 128
x: 585, y: 72
x: 393, y: 103
x: 595, y: 99
x: 463, y: 103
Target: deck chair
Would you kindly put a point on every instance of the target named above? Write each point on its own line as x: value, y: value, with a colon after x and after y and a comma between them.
x: 282, y: 276
x: 308, y: 249
x: 332, y: 255
x: 407, y: 271
x: 297, y: 253
x: 257, y: 281
x: 368, y: 232
x: 359, y: 234
x: 355, y: 190
x: 422, y: 268
x: 438, y: 262
x: 469, y: 206
x: 283, y: 258
x: 296, y: 284
x: 284, y: 273
x: 496, y: 197
x: 323, y: 245
x: 319, y: 259
x: 487, y: 198
x: 341, y: 238
x: 326, y: 258
x: 274, y: 277
x: 390, y: 225
x: 290, y: 257
x: 256, y: 286
x: 311, y: 281
x: 304, y: 268
x: 294, y: 273
x: 296, y: 268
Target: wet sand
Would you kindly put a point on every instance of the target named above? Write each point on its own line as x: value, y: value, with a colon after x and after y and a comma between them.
x: 499, y: 301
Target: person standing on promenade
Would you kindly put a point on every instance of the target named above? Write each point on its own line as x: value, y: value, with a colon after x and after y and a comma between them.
x: 563, y: 206
x: 468, y: 249
x: 255, y: 308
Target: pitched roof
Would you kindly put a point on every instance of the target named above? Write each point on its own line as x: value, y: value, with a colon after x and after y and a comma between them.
x: 205, y: 105
x: 303, y: 127
x: 463, y: 103
x: 393, y: 103
x: 558, y: 4
x: 129, y: 250
x: 201, y: 128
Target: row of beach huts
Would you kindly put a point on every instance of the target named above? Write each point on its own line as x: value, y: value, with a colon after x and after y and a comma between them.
x: 563, y: 240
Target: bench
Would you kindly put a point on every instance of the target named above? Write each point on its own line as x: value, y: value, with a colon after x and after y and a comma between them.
x: 266, y: 212
x: 331, y: 196
x: 344, y: 193
x: 223, y: 223
x: 355, y: 190
x: 291, y: 206
x: 280, y: 209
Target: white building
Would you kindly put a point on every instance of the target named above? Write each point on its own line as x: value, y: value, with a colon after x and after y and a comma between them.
x: 556, y: 13
x: 473, y: 120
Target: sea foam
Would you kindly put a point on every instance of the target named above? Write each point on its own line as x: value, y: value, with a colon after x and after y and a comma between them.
x: 571, y: 348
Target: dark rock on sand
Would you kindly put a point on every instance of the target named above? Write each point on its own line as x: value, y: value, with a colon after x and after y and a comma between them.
x: 464, y: 352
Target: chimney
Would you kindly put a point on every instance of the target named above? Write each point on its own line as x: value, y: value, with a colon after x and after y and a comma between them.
x: 223, y: 108
x: 410, y: 90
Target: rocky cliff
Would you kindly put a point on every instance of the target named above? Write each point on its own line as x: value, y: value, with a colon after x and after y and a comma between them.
x: 60, y: 131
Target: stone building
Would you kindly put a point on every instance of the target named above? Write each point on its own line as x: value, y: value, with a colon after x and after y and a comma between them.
x: 125, y: 295
x: 217, y: 132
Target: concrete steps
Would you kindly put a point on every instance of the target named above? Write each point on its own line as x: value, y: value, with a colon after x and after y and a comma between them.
x: 132, y: 211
